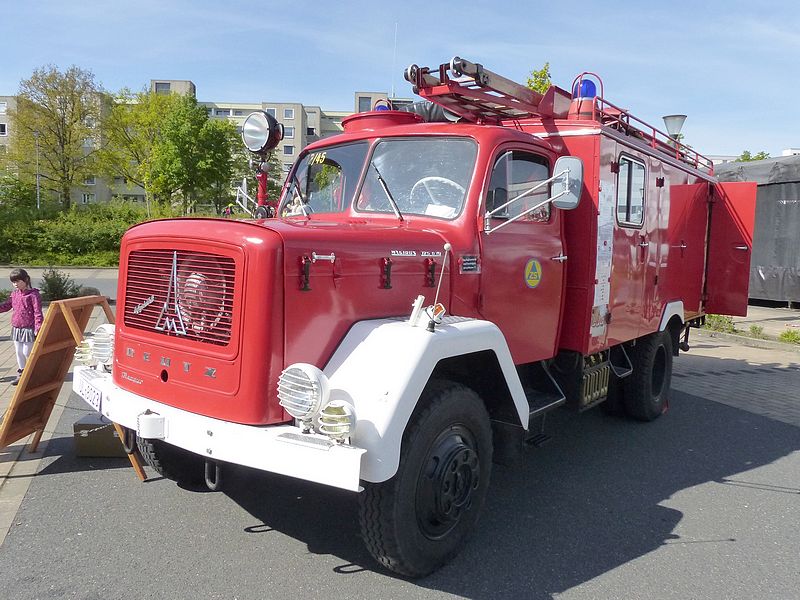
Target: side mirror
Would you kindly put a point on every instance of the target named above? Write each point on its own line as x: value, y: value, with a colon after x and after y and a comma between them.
x: 567, y: 182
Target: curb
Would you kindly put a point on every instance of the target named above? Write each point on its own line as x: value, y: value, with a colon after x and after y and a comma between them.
x: 750, y: 342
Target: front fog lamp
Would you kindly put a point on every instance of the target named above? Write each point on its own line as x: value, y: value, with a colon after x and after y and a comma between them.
x: 103, y: 346
x: 302, y: 390
x: 98, y: 348
x: 337, y: 420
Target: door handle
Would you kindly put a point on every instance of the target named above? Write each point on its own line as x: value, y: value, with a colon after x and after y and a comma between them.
x: 644, y: 244
x: 741, y: 247
x: 560, y: 258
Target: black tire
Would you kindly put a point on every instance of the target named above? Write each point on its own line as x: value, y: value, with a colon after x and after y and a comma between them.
x: 646, y: 390
x: 420, y: 519
x: 172, y: 462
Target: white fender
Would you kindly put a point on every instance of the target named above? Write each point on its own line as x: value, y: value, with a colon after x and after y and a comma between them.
x: 670, y: 310
x: 381, y: 368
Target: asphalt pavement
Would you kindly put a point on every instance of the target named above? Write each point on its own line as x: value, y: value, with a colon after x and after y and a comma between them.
x: 701, y: 503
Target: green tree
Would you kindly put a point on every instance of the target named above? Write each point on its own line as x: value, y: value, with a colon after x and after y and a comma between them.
x: 131, y: 130
x: 747, y: 157
x: 59, y: 112
x: 539, y: 79
x: 193, y: 154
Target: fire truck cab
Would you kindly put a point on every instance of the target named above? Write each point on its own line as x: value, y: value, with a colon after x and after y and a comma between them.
x: 427, y: 292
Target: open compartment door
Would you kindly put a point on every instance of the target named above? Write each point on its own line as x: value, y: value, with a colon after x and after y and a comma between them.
x: 730, y: 247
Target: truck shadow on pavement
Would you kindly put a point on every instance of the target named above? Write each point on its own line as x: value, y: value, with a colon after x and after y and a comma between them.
x: 582, y: 505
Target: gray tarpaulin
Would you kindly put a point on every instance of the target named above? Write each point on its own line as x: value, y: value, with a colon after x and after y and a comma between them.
x: 775, y: 265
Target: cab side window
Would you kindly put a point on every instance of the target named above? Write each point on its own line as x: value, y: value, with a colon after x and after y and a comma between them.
x: 514, y: 176
x: 630, y: 192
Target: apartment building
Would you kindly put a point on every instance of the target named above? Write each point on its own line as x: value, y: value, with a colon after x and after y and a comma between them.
x: 6, y: 103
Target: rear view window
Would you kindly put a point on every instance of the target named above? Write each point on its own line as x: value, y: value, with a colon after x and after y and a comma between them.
x: 630, y: 192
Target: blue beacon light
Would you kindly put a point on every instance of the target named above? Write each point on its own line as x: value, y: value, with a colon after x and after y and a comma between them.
x: 585, y: 88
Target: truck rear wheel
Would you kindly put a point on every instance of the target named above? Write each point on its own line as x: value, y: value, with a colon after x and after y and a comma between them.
x: 646, y: 394
x: 420, y: 518
x: 170, y: 461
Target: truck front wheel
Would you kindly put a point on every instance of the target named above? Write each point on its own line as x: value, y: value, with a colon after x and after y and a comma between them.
x: 646, y: 394
x: 420, y: 518
x: 170, y: 461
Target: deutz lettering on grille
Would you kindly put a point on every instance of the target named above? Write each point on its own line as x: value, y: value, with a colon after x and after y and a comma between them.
x: 170, y: 318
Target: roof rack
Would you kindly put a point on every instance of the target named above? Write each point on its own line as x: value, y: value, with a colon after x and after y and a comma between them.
x: 481, y: 96
x: 478, y: 95
x: 597, y: 108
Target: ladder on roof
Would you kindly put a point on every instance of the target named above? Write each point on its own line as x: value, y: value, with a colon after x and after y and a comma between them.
x: 479, y: 95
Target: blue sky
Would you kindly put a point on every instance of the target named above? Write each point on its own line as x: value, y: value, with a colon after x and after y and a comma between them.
x: 732, y: 67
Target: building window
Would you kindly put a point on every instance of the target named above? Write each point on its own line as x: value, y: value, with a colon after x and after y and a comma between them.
x: 364, y: 104
x: 630, y: 192
x: 210, y: 111
x: 3, y: 129
x: 311, y: 131
x: 288, y: 113
x: 87, y: 198
x: 238, y: 113
x: 3, y: 107
x: 89, y: 180
x: 287, y: 167
x: 223, y: 112
x: 288, y: 150
x: 288, y: 132
x: 119, y: 181
x: 162, y: 88
x: 270, y: 112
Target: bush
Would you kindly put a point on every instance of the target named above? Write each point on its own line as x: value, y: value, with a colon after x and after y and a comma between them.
x: 4, y: 294
x: 757, y: 331
x: 721, y: 323
x: 790, y: 336
x: 58, y: 286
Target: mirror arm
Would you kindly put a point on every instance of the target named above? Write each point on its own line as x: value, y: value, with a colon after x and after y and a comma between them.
x: 487, y: 226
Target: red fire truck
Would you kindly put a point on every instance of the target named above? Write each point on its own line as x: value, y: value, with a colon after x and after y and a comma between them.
x: 428, y: 291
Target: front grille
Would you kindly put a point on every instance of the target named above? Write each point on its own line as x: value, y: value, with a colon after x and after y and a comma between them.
x: 181, y: 293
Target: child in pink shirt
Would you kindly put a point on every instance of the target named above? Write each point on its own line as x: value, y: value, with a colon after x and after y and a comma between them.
x: 26, y: 318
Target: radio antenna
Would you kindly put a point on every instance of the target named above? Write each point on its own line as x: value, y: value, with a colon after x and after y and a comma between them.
x: 394, y: 57
x: 432, y: 323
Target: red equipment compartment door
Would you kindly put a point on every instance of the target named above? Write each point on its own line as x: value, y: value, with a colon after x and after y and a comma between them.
x: 682, y: 279
x: 730, y: 248
x: 522, y: 264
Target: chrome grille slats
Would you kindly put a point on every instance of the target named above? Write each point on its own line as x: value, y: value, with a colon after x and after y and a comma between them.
x: 180, y: 292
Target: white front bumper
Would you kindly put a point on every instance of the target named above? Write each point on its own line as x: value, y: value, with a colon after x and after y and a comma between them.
x: 280, y: 449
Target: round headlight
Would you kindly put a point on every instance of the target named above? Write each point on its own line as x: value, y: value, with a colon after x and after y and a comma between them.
x: 302, y: 390
x: 261, y: 132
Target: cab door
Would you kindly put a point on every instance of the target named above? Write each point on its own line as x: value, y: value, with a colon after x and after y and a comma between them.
x: 522, y: 260
x: 730, y: 247
x: 631, y: 244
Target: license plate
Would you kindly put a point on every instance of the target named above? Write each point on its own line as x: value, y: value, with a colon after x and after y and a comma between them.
x: 88, y: 391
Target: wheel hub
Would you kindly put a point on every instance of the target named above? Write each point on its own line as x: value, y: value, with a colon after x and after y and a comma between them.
x: 451, y: 475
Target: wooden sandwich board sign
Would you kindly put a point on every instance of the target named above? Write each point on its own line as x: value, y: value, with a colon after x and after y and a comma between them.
x: 47, y: 366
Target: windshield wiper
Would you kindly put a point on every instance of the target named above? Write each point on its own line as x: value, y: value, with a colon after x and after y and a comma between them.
x: 303, y: 204
x: 385, y: 187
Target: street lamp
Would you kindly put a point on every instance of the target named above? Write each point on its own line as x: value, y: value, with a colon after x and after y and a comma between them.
x: 36, y: 137
x: 674, y: 123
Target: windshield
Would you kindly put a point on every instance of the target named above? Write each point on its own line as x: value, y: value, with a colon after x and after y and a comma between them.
x: 324, y: 181
x: 423, y: 176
